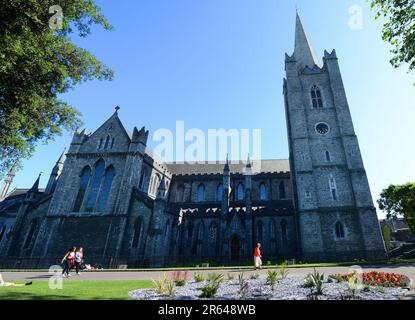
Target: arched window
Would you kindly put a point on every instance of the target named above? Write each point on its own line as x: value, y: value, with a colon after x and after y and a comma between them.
x: 333, y: 188
x: 137, y: 232
x: 263, y: 192
x: 240, y: 190
x: 143, y: 177
x: 2, y: 232
x: 284, y: 234
x: 339, y: 230
x: 316, y: 97
x: 112, y: 143
x: 282, y: 190
x: 219, y: 192
x: 328, y: 156
x: 101, y: 141
x: 107, y: 141
x: 180, y: 193
x: 85, y: 176
x: 91, y: 200
x: 200, y: 193
x: 105, y: 189
x: 30, y: 235
x: 154, y: 184
x: 260, y: 230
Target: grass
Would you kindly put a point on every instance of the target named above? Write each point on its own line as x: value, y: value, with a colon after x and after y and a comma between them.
x: 75, y: 290
x: 247, y: 267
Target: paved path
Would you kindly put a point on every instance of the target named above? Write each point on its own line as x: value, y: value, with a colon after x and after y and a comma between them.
x: 408, y: 270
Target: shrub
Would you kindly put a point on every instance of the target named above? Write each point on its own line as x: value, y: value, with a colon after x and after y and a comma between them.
x: 283, y: 270
x: 309, y: 282
x: 210, y: 290
x: 180, y: 278
x: 215, y: 278
x: 272, y: 278
x: 160, y: 285
x: 199, y: 277
x: 241, y: 279
x: 230, y: 276
x: 316, y: 281
x: 170, y: 289
x: 254, y: 276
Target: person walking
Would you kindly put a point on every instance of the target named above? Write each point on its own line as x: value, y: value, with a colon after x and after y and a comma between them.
x: 79, y: 255
x: 66, y: 261
x: 258, y: 257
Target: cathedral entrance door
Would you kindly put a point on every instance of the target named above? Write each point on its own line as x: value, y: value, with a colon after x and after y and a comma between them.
x: 235, y: 248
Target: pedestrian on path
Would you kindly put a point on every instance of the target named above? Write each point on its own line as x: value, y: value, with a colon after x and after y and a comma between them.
x: 258, y: 257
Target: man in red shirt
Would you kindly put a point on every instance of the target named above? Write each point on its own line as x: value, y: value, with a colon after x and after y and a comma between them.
x: 258, y: 257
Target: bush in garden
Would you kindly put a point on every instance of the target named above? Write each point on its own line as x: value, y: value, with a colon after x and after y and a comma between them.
x: 160, y: 285
x: 180, y: 278
x: 199, y: 277
x: 272, y: 278
x: 283, y: 270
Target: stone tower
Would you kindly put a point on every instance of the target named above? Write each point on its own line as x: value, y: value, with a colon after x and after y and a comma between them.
x: 336, y: 217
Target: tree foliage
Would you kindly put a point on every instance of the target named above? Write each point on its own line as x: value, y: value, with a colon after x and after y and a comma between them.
x: 399, y: 201
x: 37, y: 64
x: 399, y: 29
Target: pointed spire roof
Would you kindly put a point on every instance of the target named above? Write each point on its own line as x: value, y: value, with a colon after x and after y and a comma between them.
x: 61, y: 159
x: 304, y: 52
x: 35, y: 187
x: 226, y: 168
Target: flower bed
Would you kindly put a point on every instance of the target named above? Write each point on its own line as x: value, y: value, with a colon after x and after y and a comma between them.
x: 376, y: 278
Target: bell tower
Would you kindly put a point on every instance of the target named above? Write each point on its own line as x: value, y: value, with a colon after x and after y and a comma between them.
x: 335, y: 213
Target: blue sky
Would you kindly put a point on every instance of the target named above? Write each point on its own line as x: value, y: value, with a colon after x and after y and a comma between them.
x: 220, y: 64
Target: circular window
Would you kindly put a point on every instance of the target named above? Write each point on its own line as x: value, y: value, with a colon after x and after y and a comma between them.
x: 322, y: 128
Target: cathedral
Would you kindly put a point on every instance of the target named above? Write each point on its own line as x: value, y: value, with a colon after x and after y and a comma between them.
x: 128, y: 208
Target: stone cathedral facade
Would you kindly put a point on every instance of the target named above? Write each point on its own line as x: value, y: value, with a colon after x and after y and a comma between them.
x: 125, y: 206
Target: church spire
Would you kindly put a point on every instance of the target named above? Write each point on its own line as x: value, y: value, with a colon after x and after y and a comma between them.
x: 304, y: 52
x: 35, y: 187
x: 56, y: 172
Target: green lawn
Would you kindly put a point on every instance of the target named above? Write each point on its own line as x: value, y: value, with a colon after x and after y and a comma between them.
x: 75, y: 290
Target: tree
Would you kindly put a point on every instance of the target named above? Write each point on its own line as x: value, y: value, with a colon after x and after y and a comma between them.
x: 399, y: 201
x: 399, y: 30
x: 38, y: 62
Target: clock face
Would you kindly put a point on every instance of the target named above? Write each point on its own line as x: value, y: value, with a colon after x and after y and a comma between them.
x: 322, y: 128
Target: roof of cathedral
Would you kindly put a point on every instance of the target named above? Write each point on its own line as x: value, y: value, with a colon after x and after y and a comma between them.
x: 304, y: 52
x: 263, y: 166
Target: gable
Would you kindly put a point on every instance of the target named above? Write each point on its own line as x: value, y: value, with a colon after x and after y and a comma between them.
x: 111, y: 136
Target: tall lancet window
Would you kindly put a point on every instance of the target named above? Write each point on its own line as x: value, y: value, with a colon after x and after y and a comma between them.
x: 240, y: 192
x: 219, y: 192
x: 105, y: 189
x: 316, y: 97
x: 282, y: 190
x: 263, y: 192
x: 85, y: 176
x: 91, y: 200
x: 340, y: 230
x: 200, y: 197
x: 333, y: 188
x: 107, y: 141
